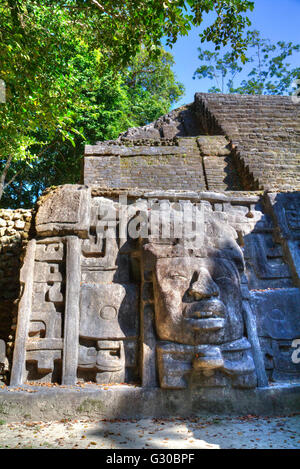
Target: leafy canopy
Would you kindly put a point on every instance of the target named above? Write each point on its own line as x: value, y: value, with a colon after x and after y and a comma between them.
x: 45, y: 45
x: 109, y: 105
x: 266, y: 67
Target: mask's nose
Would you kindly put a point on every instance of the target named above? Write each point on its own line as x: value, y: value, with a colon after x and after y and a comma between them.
x: 204, y: 286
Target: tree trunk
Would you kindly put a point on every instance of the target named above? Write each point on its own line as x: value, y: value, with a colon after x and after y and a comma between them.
x: 4, y: 174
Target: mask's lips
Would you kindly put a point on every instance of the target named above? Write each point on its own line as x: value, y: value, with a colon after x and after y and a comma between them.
x: 205, y: 309
x: 205, y: 314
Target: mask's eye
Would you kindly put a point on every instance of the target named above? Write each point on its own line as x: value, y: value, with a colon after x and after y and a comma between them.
x: 231, y: 281
x: 177, y: 276
x: 227, y: 272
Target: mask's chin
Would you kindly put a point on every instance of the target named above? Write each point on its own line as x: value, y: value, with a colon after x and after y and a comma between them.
x: 210, y: 324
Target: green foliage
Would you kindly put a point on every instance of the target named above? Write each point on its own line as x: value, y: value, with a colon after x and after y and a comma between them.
x: 268, y: 70
x: 229, y: 25
x: 151, y: 87
x: 64, y: 65
x: 108, y: 105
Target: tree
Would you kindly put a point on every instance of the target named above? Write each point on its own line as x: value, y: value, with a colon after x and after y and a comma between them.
x: 42, y: 42
x: 266, y: 66
x: 110, y: 105
x: 151, y: 86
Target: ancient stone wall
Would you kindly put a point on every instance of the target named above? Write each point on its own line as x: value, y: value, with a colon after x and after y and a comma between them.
x: 219, y: 142
x: 176, y: 163
x: 104, y: 301
x: 210, y: 301
x: 14, y: 232
x: 265, y: 130
x: 187, y: 163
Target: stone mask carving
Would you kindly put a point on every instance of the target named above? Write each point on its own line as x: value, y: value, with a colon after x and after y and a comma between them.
x: 197, y: 300
x: 197, y: 286
x: 198, y: 308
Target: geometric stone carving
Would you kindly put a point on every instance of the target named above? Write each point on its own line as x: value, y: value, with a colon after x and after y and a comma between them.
x: 106, y: 311
x: 163, y: 305
x: 108, y: 317
x: 264, y: 254
x: 45, y: 272
x: 264, y: 261
x: 107, y: 359
x: 41, y: 336
x: 277, y: 315
x: 49, y: 252
x: 284, y: 209
x: 83, y: 324
x: 108, y: 327
x: 25, y: 307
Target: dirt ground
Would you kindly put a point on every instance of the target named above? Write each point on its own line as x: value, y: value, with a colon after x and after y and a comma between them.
x: 193, y: 433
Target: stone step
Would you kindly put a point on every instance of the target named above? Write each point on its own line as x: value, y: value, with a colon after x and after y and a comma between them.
x: 214, y: 145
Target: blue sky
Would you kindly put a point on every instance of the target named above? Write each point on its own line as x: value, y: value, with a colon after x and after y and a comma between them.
x: 277, y: 20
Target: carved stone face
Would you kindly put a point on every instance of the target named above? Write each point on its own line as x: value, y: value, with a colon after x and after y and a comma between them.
x: 197, y: 300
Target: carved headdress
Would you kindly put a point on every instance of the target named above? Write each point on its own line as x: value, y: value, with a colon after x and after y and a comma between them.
x: 202, y: 233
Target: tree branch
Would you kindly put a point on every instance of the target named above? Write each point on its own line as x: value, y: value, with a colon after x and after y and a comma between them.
x: 6, y: 168
x: 4, y: 185
x: 11, y: 180
x: 4, y: 174
x: 133, y: 79
x: 104, y: 10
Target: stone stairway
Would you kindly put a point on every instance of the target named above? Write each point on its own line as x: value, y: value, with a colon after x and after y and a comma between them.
x: 218, y: 163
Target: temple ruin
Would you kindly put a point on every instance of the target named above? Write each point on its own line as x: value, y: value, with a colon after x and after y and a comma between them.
x: 168, y: 280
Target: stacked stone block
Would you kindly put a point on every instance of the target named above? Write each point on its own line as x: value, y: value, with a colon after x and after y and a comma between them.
x: 14, y: 232
x: 265, y: 130
x: 176, y: 163
x: 184, y: 163
x: 218, y: 163
x: 246, y: 143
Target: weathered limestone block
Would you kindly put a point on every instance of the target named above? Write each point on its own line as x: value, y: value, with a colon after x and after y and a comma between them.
x: 64, y: 211
x: 284, y: 209
x: 19, y: 224
x: 277, y: 317
x: 107, y: 311
x: 49, y: 252
x: 45, y: 272
x: 3, y: 361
